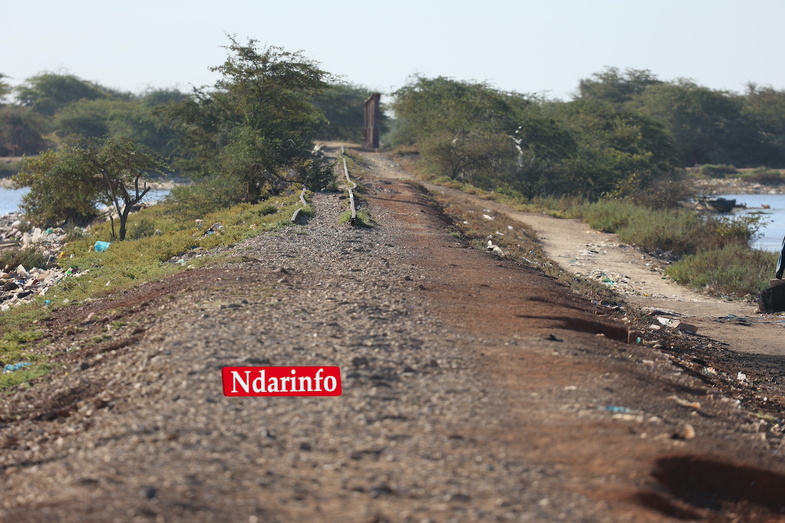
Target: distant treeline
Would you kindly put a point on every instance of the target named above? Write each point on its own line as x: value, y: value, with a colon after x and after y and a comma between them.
x: 624, y: 133
x: 50, y: 108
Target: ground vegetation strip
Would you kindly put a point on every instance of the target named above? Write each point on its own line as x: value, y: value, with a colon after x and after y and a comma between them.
x: 475, y: 387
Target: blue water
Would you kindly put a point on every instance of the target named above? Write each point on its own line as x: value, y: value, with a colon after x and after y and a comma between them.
x: 773, y: 219
x: 10, y: 198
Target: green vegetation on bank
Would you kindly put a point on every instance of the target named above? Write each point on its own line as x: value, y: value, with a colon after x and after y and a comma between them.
x: 618, y: 155
x: 621, y: 148
x: 709, y: 252
x: 161, y: 241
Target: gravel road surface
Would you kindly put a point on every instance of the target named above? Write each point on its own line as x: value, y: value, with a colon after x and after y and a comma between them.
x: 474, y: 389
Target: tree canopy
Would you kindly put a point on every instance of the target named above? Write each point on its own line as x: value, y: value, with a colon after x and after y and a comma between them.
x: 475, y: 133
x: 342, y: 105
x: 256, y: 125
x: 48, y: 92
x: 108, y: 171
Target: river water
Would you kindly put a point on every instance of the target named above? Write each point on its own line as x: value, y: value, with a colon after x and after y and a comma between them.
x: 10, y: 198
x: 773, y: 219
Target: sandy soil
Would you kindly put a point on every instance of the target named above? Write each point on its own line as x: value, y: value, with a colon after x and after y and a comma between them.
x: 640, y: 280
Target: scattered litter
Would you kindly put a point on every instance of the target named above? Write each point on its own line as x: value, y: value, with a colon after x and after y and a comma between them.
x: 101, y: 246
x: 741, y: 377
x: 686, y: 327
x: 487, y: 217
x: 16, y: 366
x: 686, y: 432
x: 684, y: 403
x: 495, y: 249
x: 616, y: 408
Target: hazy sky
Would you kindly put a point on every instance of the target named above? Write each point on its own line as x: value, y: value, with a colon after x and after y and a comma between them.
x: 543, y: 46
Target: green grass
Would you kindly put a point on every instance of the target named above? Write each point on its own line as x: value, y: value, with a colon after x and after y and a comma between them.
x: 362, y: 219
x: 163, y: 238
x: 10, y: 259
x: 678, y: 232
x: 733, y: 270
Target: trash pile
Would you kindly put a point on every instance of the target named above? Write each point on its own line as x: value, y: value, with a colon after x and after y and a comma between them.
x: 21, y: 284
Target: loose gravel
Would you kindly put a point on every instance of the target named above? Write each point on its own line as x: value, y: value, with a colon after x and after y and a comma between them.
x: 143, y: 432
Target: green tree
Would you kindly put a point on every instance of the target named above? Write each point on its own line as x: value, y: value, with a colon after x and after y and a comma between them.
x: 159, y: 97
x: 46, y: 93
x: 257, y: 124
x: 707, y: 126
x: 134, y: 120
x: 615, y: 87
x: 764, y: 107
x: 588, y: 147
x: 619, y: 153
x: 5, y: 88
x: 462, y: 129
x: 70, y: 182
x: 21, y: 131
x: 61, y: 190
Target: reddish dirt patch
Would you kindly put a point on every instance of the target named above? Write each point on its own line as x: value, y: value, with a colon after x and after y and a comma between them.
x: 542, y: 343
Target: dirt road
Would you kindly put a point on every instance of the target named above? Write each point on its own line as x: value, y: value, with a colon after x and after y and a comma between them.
x: 475, y: 389
x: 635, y: 276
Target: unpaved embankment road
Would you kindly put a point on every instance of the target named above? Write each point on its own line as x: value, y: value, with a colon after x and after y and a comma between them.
x: 475, y: 389
x: 636, y: 277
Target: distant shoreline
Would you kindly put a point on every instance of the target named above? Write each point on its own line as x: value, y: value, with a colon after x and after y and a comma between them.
x: 6, y: 183
x: 717, y: 186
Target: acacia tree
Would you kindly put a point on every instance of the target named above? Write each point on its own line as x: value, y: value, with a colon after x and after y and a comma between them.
x: 70, y: 182
x: 616, y: 87
x: 257, y: 124
x: 46, y: 93
x: 462, y: 129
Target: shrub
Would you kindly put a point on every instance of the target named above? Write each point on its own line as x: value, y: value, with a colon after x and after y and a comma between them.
x: 766, y: 176
x: 717, y: 171
x: 204, y: 197
x: 142, y: 228
x: 732, y: 270
x: 28, y: 258
x: 677, y: 232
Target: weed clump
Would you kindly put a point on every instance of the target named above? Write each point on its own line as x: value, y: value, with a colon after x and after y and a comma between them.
x: 28, y: 258
x: 673, y: 232
x: 732, y: 270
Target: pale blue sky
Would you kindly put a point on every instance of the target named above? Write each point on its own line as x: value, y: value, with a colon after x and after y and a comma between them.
x: 545, y: 46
